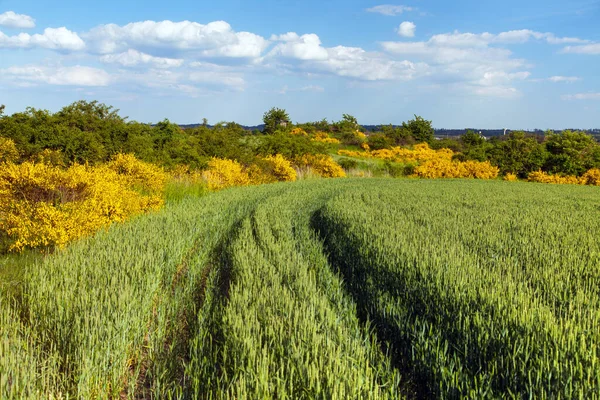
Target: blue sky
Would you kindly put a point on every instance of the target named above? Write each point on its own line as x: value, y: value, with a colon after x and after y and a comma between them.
x: 514, y: 64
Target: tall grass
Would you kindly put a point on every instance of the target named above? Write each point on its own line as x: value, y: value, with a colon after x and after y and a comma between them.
x: 324, y: 289
x: 480, y: 289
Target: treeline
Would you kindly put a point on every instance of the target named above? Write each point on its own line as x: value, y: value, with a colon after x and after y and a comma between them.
x: 93, y: 133
x: 565, y: 153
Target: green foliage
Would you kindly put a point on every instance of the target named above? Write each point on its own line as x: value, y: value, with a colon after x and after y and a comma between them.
x: 518, y: 154
x: 289, y: 146
x: 420, y: 129
x: 400, y: 135
x: 347, y: 163
x: 571, y: 153
x: 447, y: 143
x: 379, y: 141
x: 276, y: 119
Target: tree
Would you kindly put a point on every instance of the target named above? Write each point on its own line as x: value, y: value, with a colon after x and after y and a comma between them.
x: 518, y: 154
x: 401, y: 136
x: 379, y: 141
x: 2, y: 107
x: 275, y: 119
x: 572, y: 153
x: 420, y: 129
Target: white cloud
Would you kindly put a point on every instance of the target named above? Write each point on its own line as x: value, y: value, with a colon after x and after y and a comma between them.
x: 458, y: 39
x: 496, y: 91
x: 67, y: 76
x: 355, y: 62
x: 389, y: 9
x: 564, y: 79
x: 407, y: 29
x: 132, y: 58
x: 216, y: 39
x: 466, y: 61
x: 52, y: 38
x: 12, y: 20
x: 582, y: 96
x: 305, y: 53
x: 593, y: 48
x: 305, y: 47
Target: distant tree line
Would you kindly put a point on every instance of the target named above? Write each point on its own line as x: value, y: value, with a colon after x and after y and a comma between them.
x: 92, y: 132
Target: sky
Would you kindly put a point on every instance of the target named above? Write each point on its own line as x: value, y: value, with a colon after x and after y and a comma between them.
x: 526, y: 64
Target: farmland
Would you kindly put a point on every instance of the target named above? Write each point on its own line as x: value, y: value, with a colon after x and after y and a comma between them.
x: 355, y: 288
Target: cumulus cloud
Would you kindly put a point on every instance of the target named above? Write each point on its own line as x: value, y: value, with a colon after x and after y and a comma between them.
x: 389, y: 9
x: 593, y: 49
x: 306, y: 53
x: 582, y: 96
x: 60, y: 39
x: 216, y: 39
x: 132, y: 58
x: 305, y: 47
x: 10, y: 19
x: 407, y: 29
x: 65, y: 76
x: 471, y: 60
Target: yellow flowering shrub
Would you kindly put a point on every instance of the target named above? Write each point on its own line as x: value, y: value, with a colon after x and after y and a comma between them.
x: 8, y: 150
x: 365, y: 147
x: 591, y: 177
x: 321, y: 164
x: 441, y: 168
x: 50, y: 157
x: 43, y: 205
x: 323, y: 137
x: 143, y: 176
x: 510, y: 177
x: 223, y: 173
x: 281, y: 168
x: 419, y: 153
x: 299, y: 131
x: 479, y: 170
x: 271, y: 169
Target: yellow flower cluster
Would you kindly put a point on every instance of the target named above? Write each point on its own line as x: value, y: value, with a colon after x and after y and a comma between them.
x: 323, y: 137
x: 510, y: 177
x: 50, y: 157
x: 271, y: 169
x: 591, y: 177
x: 440, y: 168
x: 280, y: 168
x: 419, y: 153
x: 43, y: 205
x: 299, y: 132
x: 8, y: 151
x: 224, y: 173
x: 323, y: 165
x: 145, y: 177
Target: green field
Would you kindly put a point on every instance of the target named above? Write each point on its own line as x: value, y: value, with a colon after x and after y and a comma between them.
x: 322, y: 289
